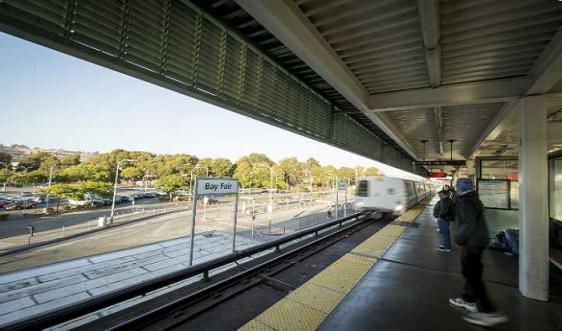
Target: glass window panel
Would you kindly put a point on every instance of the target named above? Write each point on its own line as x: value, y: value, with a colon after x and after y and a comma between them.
x: 499, y: 169
x: 493, y: 193
x: 556, y: 188
x: 514, y: 195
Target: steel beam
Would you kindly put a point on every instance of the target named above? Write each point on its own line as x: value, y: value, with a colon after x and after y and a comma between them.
x: 547, y: 70
x: 431, y: 33
x: 495, y: 127
x: 502, y: 90
x: 438, y: 113
x: 543, y: 75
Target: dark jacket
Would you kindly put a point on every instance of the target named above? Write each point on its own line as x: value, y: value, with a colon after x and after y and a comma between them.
x: 453, y: 194
x: 472, y: 230
x: 443, y: 209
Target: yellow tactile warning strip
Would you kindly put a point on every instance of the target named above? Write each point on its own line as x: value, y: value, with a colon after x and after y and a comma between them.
x: 306, y: 307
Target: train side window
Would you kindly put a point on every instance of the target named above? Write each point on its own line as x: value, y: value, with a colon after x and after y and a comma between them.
x: 363, y: 188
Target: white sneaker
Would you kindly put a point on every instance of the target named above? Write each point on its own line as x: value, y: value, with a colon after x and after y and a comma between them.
x: 485, y: 319
x: 443, y: 249
x: 460, y: 303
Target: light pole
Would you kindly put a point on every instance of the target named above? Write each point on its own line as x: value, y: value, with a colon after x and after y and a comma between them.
x: 310, y: 177
x: 24, y: 199
x: 49, y: 184
x: 191, y: 175
x: 191, y: 178
x: 115, y: 186
x: 146, y: 174
x: 26, y: 169
x: 5, y: 175
x: 356, y: 168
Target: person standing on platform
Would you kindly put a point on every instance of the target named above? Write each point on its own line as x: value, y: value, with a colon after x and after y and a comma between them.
x: 443, y: 212
x: 472, y: 237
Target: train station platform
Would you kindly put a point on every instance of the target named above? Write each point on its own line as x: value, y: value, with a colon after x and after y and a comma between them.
x: 397, y: 280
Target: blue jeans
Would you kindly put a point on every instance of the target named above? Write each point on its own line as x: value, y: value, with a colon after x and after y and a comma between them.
x: 444, y: 233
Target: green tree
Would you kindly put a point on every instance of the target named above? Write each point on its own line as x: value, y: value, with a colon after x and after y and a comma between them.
x: 38, y: 160
x: 132, y: 173
x: 70, y: 159
x: 171, y: 183
x: 36, y: 176
x: 243, y: 173
x: 5, y: 158
x: 87, y: 171
x: 346, y: 174
x: 329, y: 174
x: 221, y: 167
x: 17, y: 179
x: 312, y: 163
x: 203, y: 165
x: 293, y: 170
x: 101, y: 189
x: 373, y: 171
x: 164, y: 165
x: 255, y: 158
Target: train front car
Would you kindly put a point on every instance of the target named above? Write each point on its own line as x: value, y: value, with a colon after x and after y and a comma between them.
x: 384, y: 194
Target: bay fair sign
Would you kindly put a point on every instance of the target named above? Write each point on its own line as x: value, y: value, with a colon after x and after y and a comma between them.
x: 205, y: 187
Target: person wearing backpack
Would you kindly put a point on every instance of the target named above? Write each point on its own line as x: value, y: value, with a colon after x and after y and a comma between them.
x: 443, y: 212
x: 472, y: 237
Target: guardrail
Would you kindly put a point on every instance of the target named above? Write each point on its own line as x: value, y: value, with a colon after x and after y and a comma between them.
x: 63, y: 314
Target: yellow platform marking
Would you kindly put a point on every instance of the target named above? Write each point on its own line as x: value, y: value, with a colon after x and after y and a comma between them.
x: 291, y: 315
x: 255, y: 325
x: 307, y: 306
x: 317, y: 297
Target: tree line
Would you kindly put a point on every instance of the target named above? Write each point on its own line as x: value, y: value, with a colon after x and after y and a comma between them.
x: 170, y: 172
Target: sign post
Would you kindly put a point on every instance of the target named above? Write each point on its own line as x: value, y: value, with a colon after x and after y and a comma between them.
x: 235, y: 220
x: 206, y: 187
x: 337, y: 202
x: 193, y: 215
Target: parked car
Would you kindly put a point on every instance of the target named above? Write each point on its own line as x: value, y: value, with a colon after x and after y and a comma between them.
x: 212, y: 201
x: 18, y: 205
x: 138, y: 196
x: 125, y: 198
x: 149, y: 195
x: 39, y: 198
x: 4, y: 203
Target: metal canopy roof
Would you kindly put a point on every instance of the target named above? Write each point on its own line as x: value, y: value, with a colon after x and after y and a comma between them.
x: 238, y: 19
x: 428, y: 70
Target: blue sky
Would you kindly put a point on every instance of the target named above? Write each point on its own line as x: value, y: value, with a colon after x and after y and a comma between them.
x: 52, y: 100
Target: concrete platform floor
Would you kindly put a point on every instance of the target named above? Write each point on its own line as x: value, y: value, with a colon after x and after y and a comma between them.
x: 408, y: 290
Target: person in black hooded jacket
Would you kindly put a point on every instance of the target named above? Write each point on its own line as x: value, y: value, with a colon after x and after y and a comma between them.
x: 443, y: 212
x: 472, y: 236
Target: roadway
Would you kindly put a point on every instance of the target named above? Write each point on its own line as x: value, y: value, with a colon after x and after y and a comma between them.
x: 145, y: 232
x: 14, y: 225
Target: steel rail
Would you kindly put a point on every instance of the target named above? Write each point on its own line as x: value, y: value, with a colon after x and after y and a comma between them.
x: 51, y: 318
x: 145, y: 319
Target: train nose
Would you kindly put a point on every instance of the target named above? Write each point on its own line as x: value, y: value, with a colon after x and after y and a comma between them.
x: 357, y: 205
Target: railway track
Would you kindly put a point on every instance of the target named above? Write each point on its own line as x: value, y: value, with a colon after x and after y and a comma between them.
x: 183, y: 309
x: 203, y: 296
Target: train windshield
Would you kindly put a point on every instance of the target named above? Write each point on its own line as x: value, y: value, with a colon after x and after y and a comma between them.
x: 363, y: 188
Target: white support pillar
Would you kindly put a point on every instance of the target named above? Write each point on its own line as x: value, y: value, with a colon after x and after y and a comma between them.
x: 533, y: 201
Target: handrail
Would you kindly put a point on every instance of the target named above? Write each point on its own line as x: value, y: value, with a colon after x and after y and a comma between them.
x: 86, y: 306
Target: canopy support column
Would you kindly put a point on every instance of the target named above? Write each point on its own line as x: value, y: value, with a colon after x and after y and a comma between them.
x: 533, y: 204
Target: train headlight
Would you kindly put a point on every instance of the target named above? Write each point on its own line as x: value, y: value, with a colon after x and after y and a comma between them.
x: 399, y: 208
